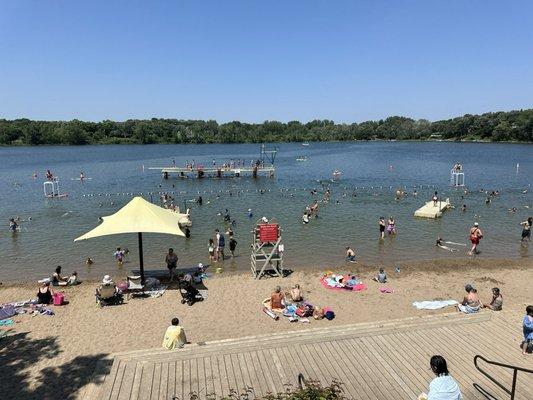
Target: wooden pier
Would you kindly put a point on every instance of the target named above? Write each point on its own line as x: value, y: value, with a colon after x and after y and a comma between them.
x: 433, y: 209
x: 217, y: 172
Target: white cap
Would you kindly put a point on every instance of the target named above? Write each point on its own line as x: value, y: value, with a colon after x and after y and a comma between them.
x: 200, y: 265
x: 264, y: 219
x: 476, y: 224
x: 107, y: 279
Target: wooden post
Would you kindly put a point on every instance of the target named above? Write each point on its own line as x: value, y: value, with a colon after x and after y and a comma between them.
x: 141, y: 260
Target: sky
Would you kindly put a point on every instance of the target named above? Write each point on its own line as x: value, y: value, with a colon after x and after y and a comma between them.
x: 251, y: 60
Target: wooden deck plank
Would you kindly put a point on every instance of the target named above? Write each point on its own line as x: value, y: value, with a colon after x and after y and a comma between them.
x: 360, y: 384
x: 180, y: 387
x: 115, y: 389
x: 361, y: 360
x: 136, y: 386
x: 164, y: 381
x: 217, y: 379
x: 201, y: 377
x: 146, y: 381
x: 270, y: 378
x: 194, y: 379
x: 156, y: 382
x: 261, y: 379
x: 171, y: 385
x: 127, y: 381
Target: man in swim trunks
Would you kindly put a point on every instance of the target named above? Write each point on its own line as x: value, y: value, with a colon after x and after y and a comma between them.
x: 475, y: 236
x: 172, y: 263
x: 350, y: 254
x: 526, y: 229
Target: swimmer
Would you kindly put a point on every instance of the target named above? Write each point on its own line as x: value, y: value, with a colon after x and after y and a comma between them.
x: 250, y: 213
x: 526, y: 229
x: 82, y: 176
x: 89, y: 261
x: 305, y: 218
x: 439, y: 243
x: 34, y: 175
x: 512, y: 210
x: 463, y: 207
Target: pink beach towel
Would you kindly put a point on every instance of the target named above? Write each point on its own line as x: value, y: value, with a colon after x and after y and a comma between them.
x: 386, y: 290
x: 357, y: 288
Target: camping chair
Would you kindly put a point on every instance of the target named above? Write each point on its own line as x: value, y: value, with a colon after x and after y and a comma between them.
x: 135, y: 286
x: 107, y: 294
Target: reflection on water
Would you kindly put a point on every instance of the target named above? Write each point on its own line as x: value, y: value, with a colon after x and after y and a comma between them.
x: 370, y: 170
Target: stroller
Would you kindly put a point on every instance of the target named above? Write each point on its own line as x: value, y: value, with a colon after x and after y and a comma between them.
x: 189, y: 293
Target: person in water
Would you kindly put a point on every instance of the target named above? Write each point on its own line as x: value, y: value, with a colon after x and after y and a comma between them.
x: 391, y: 227
x: 526, y: 229
x: 475, y: 236
x: 13, y: 226
x: 350, y: 254
x: 382, y: 227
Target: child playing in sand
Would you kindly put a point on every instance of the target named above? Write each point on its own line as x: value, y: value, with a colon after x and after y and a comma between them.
x: 381, y: 277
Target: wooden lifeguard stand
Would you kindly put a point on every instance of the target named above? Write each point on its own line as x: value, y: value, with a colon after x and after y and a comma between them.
x: 457, y: 176
x: 267, y: 249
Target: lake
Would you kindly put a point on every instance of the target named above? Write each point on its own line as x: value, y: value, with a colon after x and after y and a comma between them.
x: 371, y: 170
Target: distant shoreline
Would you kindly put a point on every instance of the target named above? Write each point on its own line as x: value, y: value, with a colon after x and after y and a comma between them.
x: 280, y: 142
x: 509, y: 126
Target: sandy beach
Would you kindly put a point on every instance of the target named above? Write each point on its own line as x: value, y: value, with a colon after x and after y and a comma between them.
x: 52, y: 357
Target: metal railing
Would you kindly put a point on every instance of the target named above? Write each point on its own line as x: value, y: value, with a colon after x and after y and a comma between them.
x: 515, y: 370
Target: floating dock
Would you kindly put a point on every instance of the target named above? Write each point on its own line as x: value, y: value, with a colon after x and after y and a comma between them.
x: 432, y: 209
x: 218, y: 172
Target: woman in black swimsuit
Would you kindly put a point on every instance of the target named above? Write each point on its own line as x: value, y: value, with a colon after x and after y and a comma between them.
x: 45, y: 295
x: 382, y: 225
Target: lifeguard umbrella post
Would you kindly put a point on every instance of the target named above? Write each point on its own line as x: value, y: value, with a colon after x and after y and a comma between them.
x: 138, y: 216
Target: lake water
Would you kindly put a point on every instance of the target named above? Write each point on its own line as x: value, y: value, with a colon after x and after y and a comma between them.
x: 373, y: 170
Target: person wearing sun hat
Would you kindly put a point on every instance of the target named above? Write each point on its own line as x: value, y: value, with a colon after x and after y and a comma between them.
x: 107, y: 280
x: 475, y: 236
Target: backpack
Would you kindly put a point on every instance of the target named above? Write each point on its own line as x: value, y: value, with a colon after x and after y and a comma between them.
x: 221, y: 241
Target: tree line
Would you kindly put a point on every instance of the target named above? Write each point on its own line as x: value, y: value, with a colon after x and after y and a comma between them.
x: 494, y: 126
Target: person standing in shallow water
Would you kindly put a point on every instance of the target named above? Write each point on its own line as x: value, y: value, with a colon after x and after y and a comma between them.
x: 382, y: 227
x: 475, y: 236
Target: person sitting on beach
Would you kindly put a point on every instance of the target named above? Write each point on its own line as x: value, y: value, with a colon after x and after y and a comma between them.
x: 350, y: 254
x: 471, y: 303
x: 45, y: 294
x: 350, y: 283
x: 496, y: 303
x: 174, y: 336
x: 381, y: 277
x: 73, y: 279
x: 527, y: 329
x: 57, y: 279
x: 277, y: 300
x: 443, y: 387
x: 296, y: 294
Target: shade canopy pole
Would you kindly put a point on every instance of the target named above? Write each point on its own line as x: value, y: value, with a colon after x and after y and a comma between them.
x: 141, y: 261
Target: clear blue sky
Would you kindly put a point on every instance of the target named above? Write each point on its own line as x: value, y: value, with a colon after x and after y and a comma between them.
x: 254, y: 60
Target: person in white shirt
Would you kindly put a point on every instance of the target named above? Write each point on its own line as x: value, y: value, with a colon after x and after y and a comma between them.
x: 443, y: 387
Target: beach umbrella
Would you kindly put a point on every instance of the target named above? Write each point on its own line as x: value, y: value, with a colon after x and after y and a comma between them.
x: 139, y: 216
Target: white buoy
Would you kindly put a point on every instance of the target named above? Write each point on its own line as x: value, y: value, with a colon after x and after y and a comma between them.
x: 517, y: 166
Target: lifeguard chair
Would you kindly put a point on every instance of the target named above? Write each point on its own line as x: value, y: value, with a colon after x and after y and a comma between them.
x: 457, y: 176
x: 267, y: 249
x: 51, y: 189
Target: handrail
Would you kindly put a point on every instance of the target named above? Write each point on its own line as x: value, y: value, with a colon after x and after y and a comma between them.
x: 515, y: 369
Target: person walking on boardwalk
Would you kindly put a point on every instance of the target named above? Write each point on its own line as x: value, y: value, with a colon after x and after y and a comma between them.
x: 475, y: 236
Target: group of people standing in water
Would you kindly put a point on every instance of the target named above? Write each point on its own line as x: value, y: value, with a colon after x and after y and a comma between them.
x: 389, y: 226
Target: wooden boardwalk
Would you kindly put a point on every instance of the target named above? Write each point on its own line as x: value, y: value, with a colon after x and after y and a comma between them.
x: 388, y: 360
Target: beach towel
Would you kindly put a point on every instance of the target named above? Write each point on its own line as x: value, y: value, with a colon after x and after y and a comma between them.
x: 332, y: 283
x: 6, y: 322
x: 7, y: 312
x: 433, y: 305
x: 386, y: 290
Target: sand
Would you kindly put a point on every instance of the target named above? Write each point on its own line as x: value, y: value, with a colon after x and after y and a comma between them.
x: 53, y: 357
